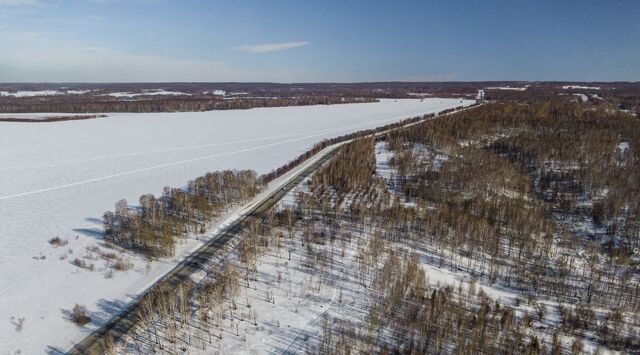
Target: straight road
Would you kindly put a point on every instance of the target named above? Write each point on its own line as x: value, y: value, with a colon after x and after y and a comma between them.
x: 119, y: 325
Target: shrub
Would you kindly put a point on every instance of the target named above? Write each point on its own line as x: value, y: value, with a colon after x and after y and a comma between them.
x: 122, y: 265
x: 58, y: 242
x: 79, y: 315
x: 82, y: 264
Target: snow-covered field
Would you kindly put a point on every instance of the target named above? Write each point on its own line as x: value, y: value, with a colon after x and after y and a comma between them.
x: 580, y: 87
x: 43, y: 93
x: 57, y: 179
x: 148, y: 93
x: 39, y: 116
x: 31, y: 93
x: 582, y: 97
x: 508, y: 88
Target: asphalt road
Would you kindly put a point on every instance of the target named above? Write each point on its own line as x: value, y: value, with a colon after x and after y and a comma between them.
x: 123, y: 322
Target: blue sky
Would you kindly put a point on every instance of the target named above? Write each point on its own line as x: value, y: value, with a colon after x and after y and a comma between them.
x: 318, y: 41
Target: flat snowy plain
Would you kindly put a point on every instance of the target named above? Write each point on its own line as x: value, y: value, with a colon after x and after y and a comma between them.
x: 57, y: 179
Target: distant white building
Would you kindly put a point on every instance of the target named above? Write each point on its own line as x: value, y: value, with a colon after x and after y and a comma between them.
x: 480, y: 95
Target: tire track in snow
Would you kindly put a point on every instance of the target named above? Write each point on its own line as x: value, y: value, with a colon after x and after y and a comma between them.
x: 157, y: 151
x: 124, y: 155
x: 217, y: 155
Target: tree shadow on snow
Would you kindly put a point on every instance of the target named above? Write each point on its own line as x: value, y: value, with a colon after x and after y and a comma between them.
x: 107, y: 309
x: 52, y: 350
x: 94, y: 232
x: 90, y: 232
x: 93, y: 220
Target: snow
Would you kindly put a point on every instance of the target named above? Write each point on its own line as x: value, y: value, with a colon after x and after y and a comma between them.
x: 57, y: 179
x: 623, y: 146
x: 147, y: 93
x: 579, y: 87
x: 383, y: 155
x: 31, y: 93
x: 582, y: 97
x: 217, y: 92
x: 78, y: 92
x: 507, y: 88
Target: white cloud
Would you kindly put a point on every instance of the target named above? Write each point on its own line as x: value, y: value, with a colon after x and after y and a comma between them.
x: 271, y: 47
x: 19, y: 2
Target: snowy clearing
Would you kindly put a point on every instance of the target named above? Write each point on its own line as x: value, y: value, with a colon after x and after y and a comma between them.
x: 31, y: 93
x: 57, y: 179
x: 579, y: 87
x: 43, y: 93
x: 507, y: 88
x: 582, y: 97
x: 148, y: 93
x: 39, y: 116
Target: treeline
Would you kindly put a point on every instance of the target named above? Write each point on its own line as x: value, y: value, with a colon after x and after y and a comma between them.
x: 570, y: 154
x: 92, y: 104
x: 50, y: 118
x: 266, y: 178
x: 488, y: 210
x: 156, y: 225
x: 408, y: 317
x: 352, y: 169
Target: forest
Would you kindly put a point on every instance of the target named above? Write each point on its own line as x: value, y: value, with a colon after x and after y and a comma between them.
x: 154, y: 227
x: 159, y: 103
x: 506, y: 228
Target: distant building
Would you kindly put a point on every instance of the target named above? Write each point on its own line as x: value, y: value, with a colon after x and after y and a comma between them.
x: 480, y: 96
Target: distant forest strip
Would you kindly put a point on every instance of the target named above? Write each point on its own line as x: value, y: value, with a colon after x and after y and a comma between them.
x: 50, y: 118
x: 154, y: 227
x: 93, y: 103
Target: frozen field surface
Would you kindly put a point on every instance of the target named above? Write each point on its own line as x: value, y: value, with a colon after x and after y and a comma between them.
x: 57, y: 179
